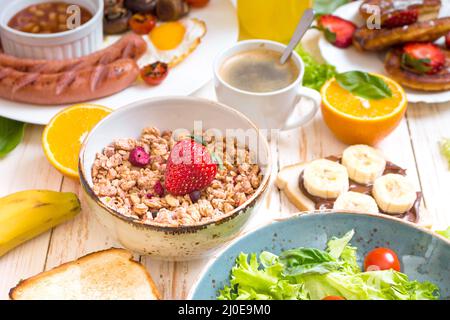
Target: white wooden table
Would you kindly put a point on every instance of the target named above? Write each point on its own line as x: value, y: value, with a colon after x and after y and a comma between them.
x: 413, y: 145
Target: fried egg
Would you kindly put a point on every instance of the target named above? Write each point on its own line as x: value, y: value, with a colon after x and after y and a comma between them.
x: 171, y: 42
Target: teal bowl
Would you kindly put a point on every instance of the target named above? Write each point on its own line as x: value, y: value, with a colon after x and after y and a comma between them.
x: 423, y: 254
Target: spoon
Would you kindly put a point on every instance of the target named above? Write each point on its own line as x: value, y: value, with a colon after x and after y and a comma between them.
x: 304, y: 24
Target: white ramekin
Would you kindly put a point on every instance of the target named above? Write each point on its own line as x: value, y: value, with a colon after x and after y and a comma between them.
x: 57, y: 46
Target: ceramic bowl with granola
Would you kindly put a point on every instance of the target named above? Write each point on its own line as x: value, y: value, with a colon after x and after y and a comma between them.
x: 174, y: 177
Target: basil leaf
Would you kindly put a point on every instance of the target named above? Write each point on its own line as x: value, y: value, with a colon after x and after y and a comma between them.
x: 364, y: 85
x: 11, y: 134
x: 328, y: 6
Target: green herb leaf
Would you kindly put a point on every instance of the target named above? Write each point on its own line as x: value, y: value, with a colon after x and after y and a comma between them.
x: 364, y: 85
x: 11, y: 134
x: 330, y: 36
x: 445, y: 149
x: 328, y: 6
x: 420, y: 65
x: 445, y: 233
x: 316, y: 74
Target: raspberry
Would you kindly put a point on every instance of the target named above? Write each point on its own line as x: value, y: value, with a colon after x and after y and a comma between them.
x: 159, y: 189
x: 139, y: 158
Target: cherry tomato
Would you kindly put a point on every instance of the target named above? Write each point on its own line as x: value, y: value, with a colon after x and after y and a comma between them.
x: 381, y: 259
x: 333, y: 298
x: 142, y: 23
x: 197, y: 3
x: 153, y: 74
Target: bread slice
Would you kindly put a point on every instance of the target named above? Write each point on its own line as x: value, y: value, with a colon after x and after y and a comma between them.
x: 287, y: 181
x: 105, y: 275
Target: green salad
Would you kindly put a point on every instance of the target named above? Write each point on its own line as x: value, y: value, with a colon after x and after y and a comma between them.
x: 330, y: 274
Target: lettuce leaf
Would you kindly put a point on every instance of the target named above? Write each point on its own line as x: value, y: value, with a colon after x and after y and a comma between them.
x: 316, y: 74
x: 445, y: 233
x: 312, y: 274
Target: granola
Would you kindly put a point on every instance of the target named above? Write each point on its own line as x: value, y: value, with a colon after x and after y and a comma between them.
x: 138, y: 190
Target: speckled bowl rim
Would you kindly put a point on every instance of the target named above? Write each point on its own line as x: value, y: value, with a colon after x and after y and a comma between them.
x: 187, y: 228
x: 324, y: 213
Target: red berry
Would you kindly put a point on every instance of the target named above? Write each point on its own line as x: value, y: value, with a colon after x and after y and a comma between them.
x: 423, y: 58
x: 159, y: 189
x: 195, y: 195
x: 337, y: 31
x: 447, y: 41
x: 401, y: 18
x: 189, y: 168
x: 139, y: 158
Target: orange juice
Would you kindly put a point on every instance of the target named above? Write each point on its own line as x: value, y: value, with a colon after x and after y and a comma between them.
x: 270, y: 19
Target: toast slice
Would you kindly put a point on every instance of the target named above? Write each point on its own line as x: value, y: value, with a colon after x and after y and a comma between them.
x: 287, y: 181
x: 424, y: 82
x: 104, y: 275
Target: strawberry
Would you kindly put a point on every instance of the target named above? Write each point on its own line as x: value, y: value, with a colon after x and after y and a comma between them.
x: 447, y: 41
x: 337, y: 31
x: 401, y: 18
x: 189, y: 168
x: 423, y: 58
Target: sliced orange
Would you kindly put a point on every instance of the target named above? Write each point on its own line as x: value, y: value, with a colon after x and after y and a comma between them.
x: 355, y: 120
x: 63, y: 136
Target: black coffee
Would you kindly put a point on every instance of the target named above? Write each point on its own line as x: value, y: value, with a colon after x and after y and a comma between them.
x: 258, y: 70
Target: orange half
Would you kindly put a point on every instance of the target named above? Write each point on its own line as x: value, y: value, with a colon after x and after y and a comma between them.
x: 63, y: 136
x: 355, y: 120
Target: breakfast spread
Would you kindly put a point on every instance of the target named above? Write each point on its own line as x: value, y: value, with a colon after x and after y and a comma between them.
x: 330, y: 274
x: 104, y: 275
x: 179, y: 196
x: 359, y: 180
x: 46, y: 17
x: 141, y: 178
x: 27, y: 214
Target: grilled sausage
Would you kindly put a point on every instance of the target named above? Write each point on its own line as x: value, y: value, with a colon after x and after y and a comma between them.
x: 68, y: 87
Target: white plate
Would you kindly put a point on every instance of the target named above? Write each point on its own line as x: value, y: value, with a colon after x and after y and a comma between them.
x: 352, y: 59
x: 188, y: 76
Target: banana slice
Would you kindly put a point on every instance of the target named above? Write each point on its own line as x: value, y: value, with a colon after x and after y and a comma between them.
x: 325, y: 179
x: 364, y: 163
x: 394, y: 193
x: 355, y: 201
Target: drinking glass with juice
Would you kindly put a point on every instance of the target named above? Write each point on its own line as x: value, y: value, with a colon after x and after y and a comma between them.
x: 270, y: 19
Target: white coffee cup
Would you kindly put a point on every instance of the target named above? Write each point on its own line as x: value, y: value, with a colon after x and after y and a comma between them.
x: 268, y: 110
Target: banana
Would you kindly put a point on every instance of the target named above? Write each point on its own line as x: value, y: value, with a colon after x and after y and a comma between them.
x: 356, y: 201
x: 394, y: 193
x: 26, y: 214
x: 325, y: 179
x: 364, y: 163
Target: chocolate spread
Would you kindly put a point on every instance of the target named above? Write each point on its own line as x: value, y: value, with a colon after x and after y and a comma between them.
x: 411, y: 215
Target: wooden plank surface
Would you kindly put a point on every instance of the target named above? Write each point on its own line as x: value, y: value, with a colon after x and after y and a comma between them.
x: 413, y: 145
